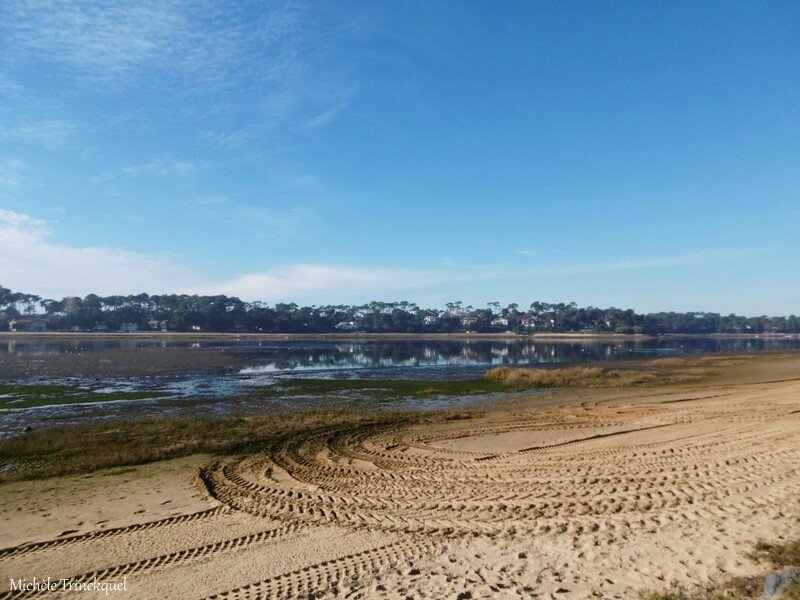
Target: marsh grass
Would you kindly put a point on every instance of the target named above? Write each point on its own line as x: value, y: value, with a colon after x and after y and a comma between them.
x: 71, y: 450
x: 672, y: 361
x: 389, y: 388
x: 589, y: 377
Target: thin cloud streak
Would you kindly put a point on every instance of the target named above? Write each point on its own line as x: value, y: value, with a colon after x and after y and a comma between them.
x: 10, y: 170
x: 33, y: 264
x: 164, y: 167
x: 302, y: 281
x: 525, y: 252
x: 296, y: 282
x: 48, y: 133
x: 489, y: 272
x: 106, y: 43
x: 694, y: 258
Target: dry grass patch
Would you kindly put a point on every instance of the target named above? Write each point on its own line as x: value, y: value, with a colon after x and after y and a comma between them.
x: 69, y: 450
x: 590, y: 377
x: 777, y: 555
x: 672, y: 361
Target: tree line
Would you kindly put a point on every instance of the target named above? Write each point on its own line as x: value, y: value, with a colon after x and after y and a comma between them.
x: 182, y: 312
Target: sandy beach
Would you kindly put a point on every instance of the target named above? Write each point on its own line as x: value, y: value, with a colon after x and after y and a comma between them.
x: 308, y: 300
x: 587, y: 493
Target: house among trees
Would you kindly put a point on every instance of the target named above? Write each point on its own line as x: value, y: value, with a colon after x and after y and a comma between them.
x: 468, y: 321
x: 182, y: 312
x: 30, y: 323
x: 128, y: 328
x: 157, y: 325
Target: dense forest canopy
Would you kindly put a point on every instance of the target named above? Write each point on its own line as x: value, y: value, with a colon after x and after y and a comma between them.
x: 181, y: 312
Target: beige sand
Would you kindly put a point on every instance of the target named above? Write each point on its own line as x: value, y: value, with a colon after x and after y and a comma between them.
x: 33, y: 511
x: 514, y: 441
x: 618, y: 492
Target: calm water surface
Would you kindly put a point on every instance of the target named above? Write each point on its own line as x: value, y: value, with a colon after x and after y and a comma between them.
x: 270, y: 362
x: 276, y: 357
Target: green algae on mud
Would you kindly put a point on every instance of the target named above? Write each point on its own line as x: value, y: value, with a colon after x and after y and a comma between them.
x: 23, y: 396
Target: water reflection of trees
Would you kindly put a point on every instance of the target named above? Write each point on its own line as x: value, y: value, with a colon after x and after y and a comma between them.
x: 409, y: 353
x: 416, y: 353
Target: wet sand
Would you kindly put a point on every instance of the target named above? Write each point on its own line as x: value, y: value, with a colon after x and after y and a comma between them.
x: 121, y: 362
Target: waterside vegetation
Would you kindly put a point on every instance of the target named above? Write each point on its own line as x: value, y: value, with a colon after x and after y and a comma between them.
x: 185, y: 313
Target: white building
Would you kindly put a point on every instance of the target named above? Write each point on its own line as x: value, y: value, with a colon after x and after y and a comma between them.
x: 32, y: 323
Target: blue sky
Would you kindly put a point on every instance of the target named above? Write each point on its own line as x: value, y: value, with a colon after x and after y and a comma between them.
x: 642, y: 155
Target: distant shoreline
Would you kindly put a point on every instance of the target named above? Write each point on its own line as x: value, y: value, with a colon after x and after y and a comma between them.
x: 344, y: 337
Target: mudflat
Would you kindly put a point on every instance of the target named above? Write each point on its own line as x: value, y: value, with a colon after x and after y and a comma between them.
x: 121, y: 362
x: 586, y: 493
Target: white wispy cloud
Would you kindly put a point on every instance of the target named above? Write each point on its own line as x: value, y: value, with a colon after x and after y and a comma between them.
x: 49, y: 133
x: 163, y: 166
x: 7, y: 84
x: 10, y: 171
x: 476, y: 272
x: 329, y: 113
x: 214, y: 200
x: 286, y: 223
x: 271, y: 220
x: 302, y: 281
x: 282, y: 57
x: 691, y: 258
x: 31, y: 262
x: 107, y: 41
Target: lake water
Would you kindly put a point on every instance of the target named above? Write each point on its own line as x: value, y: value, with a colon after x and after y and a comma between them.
x: 284, y: 357
x: 270, y: 362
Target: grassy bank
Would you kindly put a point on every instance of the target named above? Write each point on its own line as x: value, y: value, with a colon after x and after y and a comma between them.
x: 657, y: 373
x: 388, y: 389
x: 69, y: 450
x: 571, y: 377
